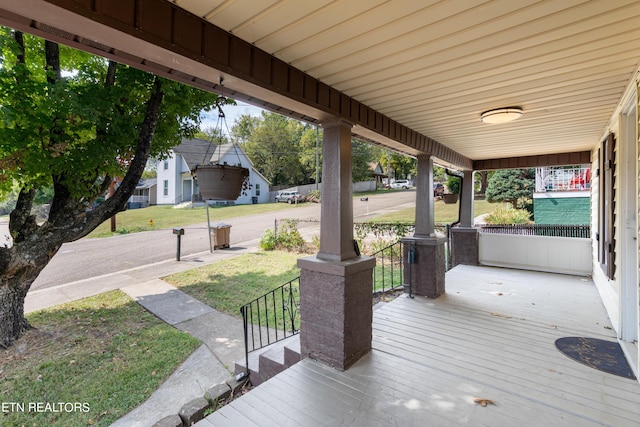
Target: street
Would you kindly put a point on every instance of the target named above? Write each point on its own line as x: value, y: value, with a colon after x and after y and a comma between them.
x: 87, y: 258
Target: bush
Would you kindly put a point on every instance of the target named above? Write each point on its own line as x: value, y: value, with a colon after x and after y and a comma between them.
x: 453, y: 184
x: 268, y: 241
x: 287, y: 238
x: 505, y: 214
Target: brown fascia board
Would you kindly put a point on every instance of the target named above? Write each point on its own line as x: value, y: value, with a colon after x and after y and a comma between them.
x: 152, y: 24
x: 557, y: 159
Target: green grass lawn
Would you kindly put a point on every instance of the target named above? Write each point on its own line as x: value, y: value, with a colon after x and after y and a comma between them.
x: 105, y: 353
x: 444, y: 213
x: 227, y: 285
x: 163, y: 217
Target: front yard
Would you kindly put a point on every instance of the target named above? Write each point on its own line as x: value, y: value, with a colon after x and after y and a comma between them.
x: 91, y: 361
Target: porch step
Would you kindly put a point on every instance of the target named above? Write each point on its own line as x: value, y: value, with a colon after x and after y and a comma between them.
x: 270, y: 361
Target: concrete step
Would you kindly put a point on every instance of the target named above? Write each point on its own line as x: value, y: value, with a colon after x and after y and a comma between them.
x: 271, y: 360
x: 292, y: 351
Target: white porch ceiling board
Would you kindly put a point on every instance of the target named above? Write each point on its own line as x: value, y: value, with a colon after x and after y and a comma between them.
x: 376, y: 33
x: 451, y: 36
x: 541, y: 102
x: 434, y: 66
x: 565, y: 52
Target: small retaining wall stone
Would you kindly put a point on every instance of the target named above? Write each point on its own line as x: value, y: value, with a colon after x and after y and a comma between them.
x: 193, y: 411
x: 169, y: 421
x: 217, y: 393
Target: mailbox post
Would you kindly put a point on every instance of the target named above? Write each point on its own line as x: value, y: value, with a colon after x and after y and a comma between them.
x: 178, y: 232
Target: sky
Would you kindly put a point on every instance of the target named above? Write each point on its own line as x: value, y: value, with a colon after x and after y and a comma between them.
x: 231, y: 113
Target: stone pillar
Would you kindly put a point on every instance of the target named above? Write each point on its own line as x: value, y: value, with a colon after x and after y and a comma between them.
x: 464, y: 238
x: 424, y: 268
x: 336, y: 309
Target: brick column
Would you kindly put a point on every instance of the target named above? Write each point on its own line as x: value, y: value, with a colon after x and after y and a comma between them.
x: 336, y: 307
x: 424, y: 270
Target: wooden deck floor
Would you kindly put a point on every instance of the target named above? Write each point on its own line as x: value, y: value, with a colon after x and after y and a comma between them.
x: 491, y: 336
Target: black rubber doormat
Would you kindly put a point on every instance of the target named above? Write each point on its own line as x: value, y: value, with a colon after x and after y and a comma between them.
x: 603, y: 355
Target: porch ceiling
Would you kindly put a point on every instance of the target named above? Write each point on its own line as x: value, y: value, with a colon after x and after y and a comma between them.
x: 435, y: 66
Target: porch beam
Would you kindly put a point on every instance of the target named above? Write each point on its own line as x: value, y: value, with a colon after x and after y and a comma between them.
x: 558, y: 159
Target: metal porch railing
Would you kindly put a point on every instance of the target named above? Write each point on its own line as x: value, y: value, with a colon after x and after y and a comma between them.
x: 272, y: 317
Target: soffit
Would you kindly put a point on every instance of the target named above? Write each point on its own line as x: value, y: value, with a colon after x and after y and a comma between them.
x: 434, y: 66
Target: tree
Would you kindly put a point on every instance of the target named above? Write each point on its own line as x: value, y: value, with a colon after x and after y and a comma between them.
x: 401, y: 164
x: 72, y: 122
x: 243, y: 128
x: 274, y: 148
x: 361, y: 157
x: 511, y: 185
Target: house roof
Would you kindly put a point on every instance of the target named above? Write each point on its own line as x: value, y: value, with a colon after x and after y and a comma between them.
x: 195, y: 151
x: 146, y: 183
x: 234, y: 151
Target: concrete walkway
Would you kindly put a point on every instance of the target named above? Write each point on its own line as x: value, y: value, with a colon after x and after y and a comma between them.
x: 221, y: 334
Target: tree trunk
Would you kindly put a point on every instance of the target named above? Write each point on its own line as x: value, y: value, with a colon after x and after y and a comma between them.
x: 484, y: 181
x: 12, y: 321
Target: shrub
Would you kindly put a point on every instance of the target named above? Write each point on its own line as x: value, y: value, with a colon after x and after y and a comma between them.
x: 505, y: 214
x: 287, y: 238
x: 453, y: 184
x: 268, y: 241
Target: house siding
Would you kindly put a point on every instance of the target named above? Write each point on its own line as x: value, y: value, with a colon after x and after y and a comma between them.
x: 557, y: 210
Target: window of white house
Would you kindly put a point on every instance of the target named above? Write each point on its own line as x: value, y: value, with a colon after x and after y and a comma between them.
x: 166, y: 187
x: 257, y: 189
x: 166, y: 164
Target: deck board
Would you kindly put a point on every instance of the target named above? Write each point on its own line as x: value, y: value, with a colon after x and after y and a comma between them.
x: 491, y: 336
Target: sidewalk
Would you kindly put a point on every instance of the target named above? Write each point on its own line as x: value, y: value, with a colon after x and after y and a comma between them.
x: 221, y: 334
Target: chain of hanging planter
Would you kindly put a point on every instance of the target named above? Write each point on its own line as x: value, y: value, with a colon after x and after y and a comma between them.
x: 216, y: 180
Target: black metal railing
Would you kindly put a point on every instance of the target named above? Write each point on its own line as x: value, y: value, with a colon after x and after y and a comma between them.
x: 552, y: 230
x: 388, y: 274
x: 271, y: 318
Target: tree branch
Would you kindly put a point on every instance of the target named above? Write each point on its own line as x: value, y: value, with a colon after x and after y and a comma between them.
x: 115, y: 203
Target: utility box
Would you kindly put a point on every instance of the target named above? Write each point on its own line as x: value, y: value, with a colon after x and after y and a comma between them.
x: 220, y: 236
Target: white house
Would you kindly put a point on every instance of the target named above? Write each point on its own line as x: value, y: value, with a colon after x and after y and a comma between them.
x: 177, y: 185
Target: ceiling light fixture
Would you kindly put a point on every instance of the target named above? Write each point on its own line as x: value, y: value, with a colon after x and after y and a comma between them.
x: 501, y: 115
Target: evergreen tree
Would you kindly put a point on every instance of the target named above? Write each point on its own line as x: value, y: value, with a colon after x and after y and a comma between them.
x: 511, y: 185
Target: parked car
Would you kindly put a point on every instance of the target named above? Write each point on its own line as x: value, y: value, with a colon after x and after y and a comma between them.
x: 401, y: 183
x: 289, y: 197
x: 438, y: 189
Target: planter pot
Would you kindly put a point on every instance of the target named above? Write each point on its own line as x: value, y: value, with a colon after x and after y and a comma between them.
x: 450, y: 198
x: 220, y: 182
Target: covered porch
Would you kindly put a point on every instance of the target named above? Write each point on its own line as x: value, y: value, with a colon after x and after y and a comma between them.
x: 491, y: 336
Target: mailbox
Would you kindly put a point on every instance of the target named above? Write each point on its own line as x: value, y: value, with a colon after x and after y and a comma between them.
x: 178, y: 231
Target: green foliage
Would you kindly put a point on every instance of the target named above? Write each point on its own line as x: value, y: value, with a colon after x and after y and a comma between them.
x: 361, y: 157
x: 104, y: 350
x: 287, y: 237
x: 77, y: 128
x: 273, y: 148
x: 268, y: 240
x: 381, y: 229
x: 511, y: 185
x: 505, y: 214
x: 453, y: 184
x: 401, y: 164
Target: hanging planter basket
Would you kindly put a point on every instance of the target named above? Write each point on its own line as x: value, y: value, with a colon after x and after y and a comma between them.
x: 221, y: 182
